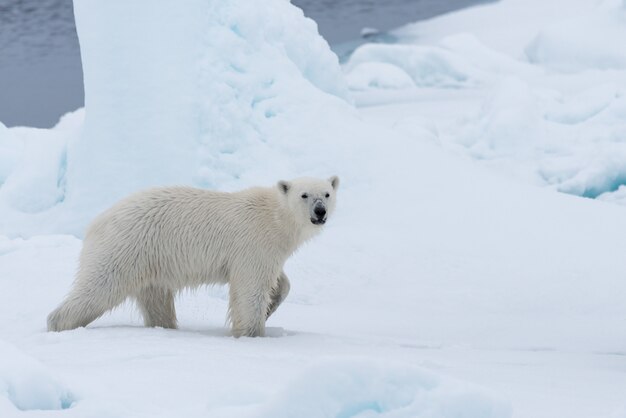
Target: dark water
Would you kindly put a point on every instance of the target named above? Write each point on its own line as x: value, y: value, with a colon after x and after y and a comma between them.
x: 342, y: 20
x: 40, y: 69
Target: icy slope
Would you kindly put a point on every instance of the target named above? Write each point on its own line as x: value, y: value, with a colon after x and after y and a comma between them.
x: 540, y: 82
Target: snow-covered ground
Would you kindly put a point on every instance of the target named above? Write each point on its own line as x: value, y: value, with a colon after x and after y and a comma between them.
x: 447, y: 285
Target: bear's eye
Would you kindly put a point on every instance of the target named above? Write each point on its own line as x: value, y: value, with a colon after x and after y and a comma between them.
x: 304, y: 195
x: 327, y: 195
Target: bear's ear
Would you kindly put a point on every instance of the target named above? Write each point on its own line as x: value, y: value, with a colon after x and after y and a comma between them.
x: 334, y: 181
x: 283, y: 186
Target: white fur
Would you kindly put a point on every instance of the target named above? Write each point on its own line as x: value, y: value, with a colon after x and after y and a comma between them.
x: 159, y: 241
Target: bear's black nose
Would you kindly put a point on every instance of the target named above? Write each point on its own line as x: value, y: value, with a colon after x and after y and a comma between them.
x: 320, y: 212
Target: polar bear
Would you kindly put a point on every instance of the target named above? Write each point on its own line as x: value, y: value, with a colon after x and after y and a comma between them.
x: 156, y: 242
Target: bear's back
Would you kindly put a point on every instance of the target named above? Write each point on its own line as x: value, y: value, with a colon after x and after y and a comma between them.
x: 175, y: 221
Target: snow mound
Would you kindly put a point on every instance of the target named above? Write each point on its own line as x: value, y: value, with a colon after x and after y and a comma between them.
x: 508, y: 123
x: 38, y: 167
x: 540, y: 89
x: 26, y: 383
x: 10, y: 150
x: 492, y: 62
x: 617, y: 196
x: 428, y: 66
x: 364, y: 389
x: 583, y: 105
x: 591, y: 41
x: 571, y: 141
x: 378, y: 75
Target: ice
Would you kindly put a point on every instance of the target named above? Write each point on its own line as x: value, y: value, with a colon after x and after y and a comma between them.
x: 428, y: 66
x: 202, y: 88
x: 353, y: 388
x: 37, y: 159
x: 507, y: 26
x: 582, y: 43
x: 492, y: 62
x: 37, y: 179
x: 615, y: 195
x: 218, y: 92
x: 10, y: 151
x: 583, y: 105
x: 27, y: 384
x: 544, y: 96
x: 369, y: 32
x: 246, y: 87
x: 36, y: 174
x: 378, y: 75
x: 508, y: 123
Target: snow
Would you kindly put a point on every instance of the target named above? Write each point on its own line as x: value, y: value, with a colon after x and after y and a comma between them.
x: 544, y: 97
x: 453, y: 281
x: 349, y: 388
x: 582, y: 43
x: 34, y: 163
x: 37, y: 180
x: 378, y: 74
x: 10, y: 150
x: 27, y: 385
x: 427, y: 66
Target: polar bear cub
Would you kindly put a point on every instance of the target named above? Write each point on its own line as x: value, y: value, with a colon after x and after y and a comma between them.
x: 159, y: 241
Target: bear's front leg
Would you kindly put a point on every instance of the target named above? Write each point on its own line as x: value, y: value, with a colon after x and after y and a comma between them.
x: 279, y: 293
x: 249, y: 302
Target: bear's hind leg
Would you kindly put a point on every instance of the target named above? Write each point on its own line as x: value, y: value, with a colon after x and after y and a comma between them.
x: 157, y: 306
x: 82, y: 306
x: 279, y: 293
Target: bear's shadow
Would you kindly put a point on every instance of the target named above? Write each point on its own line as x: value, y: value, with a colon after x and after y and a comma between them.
x: 270, y: 332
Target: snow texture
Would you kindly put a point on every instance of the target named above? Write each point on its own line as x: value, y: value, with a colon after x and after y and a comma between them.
x: 378, y: 74
x: 426, y: 65
x: 26, y: 384
x: 351, y: 388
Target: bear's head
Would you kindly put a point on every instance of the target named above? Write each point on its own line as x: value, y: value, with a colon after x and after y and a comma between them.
x: 311, y: 200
